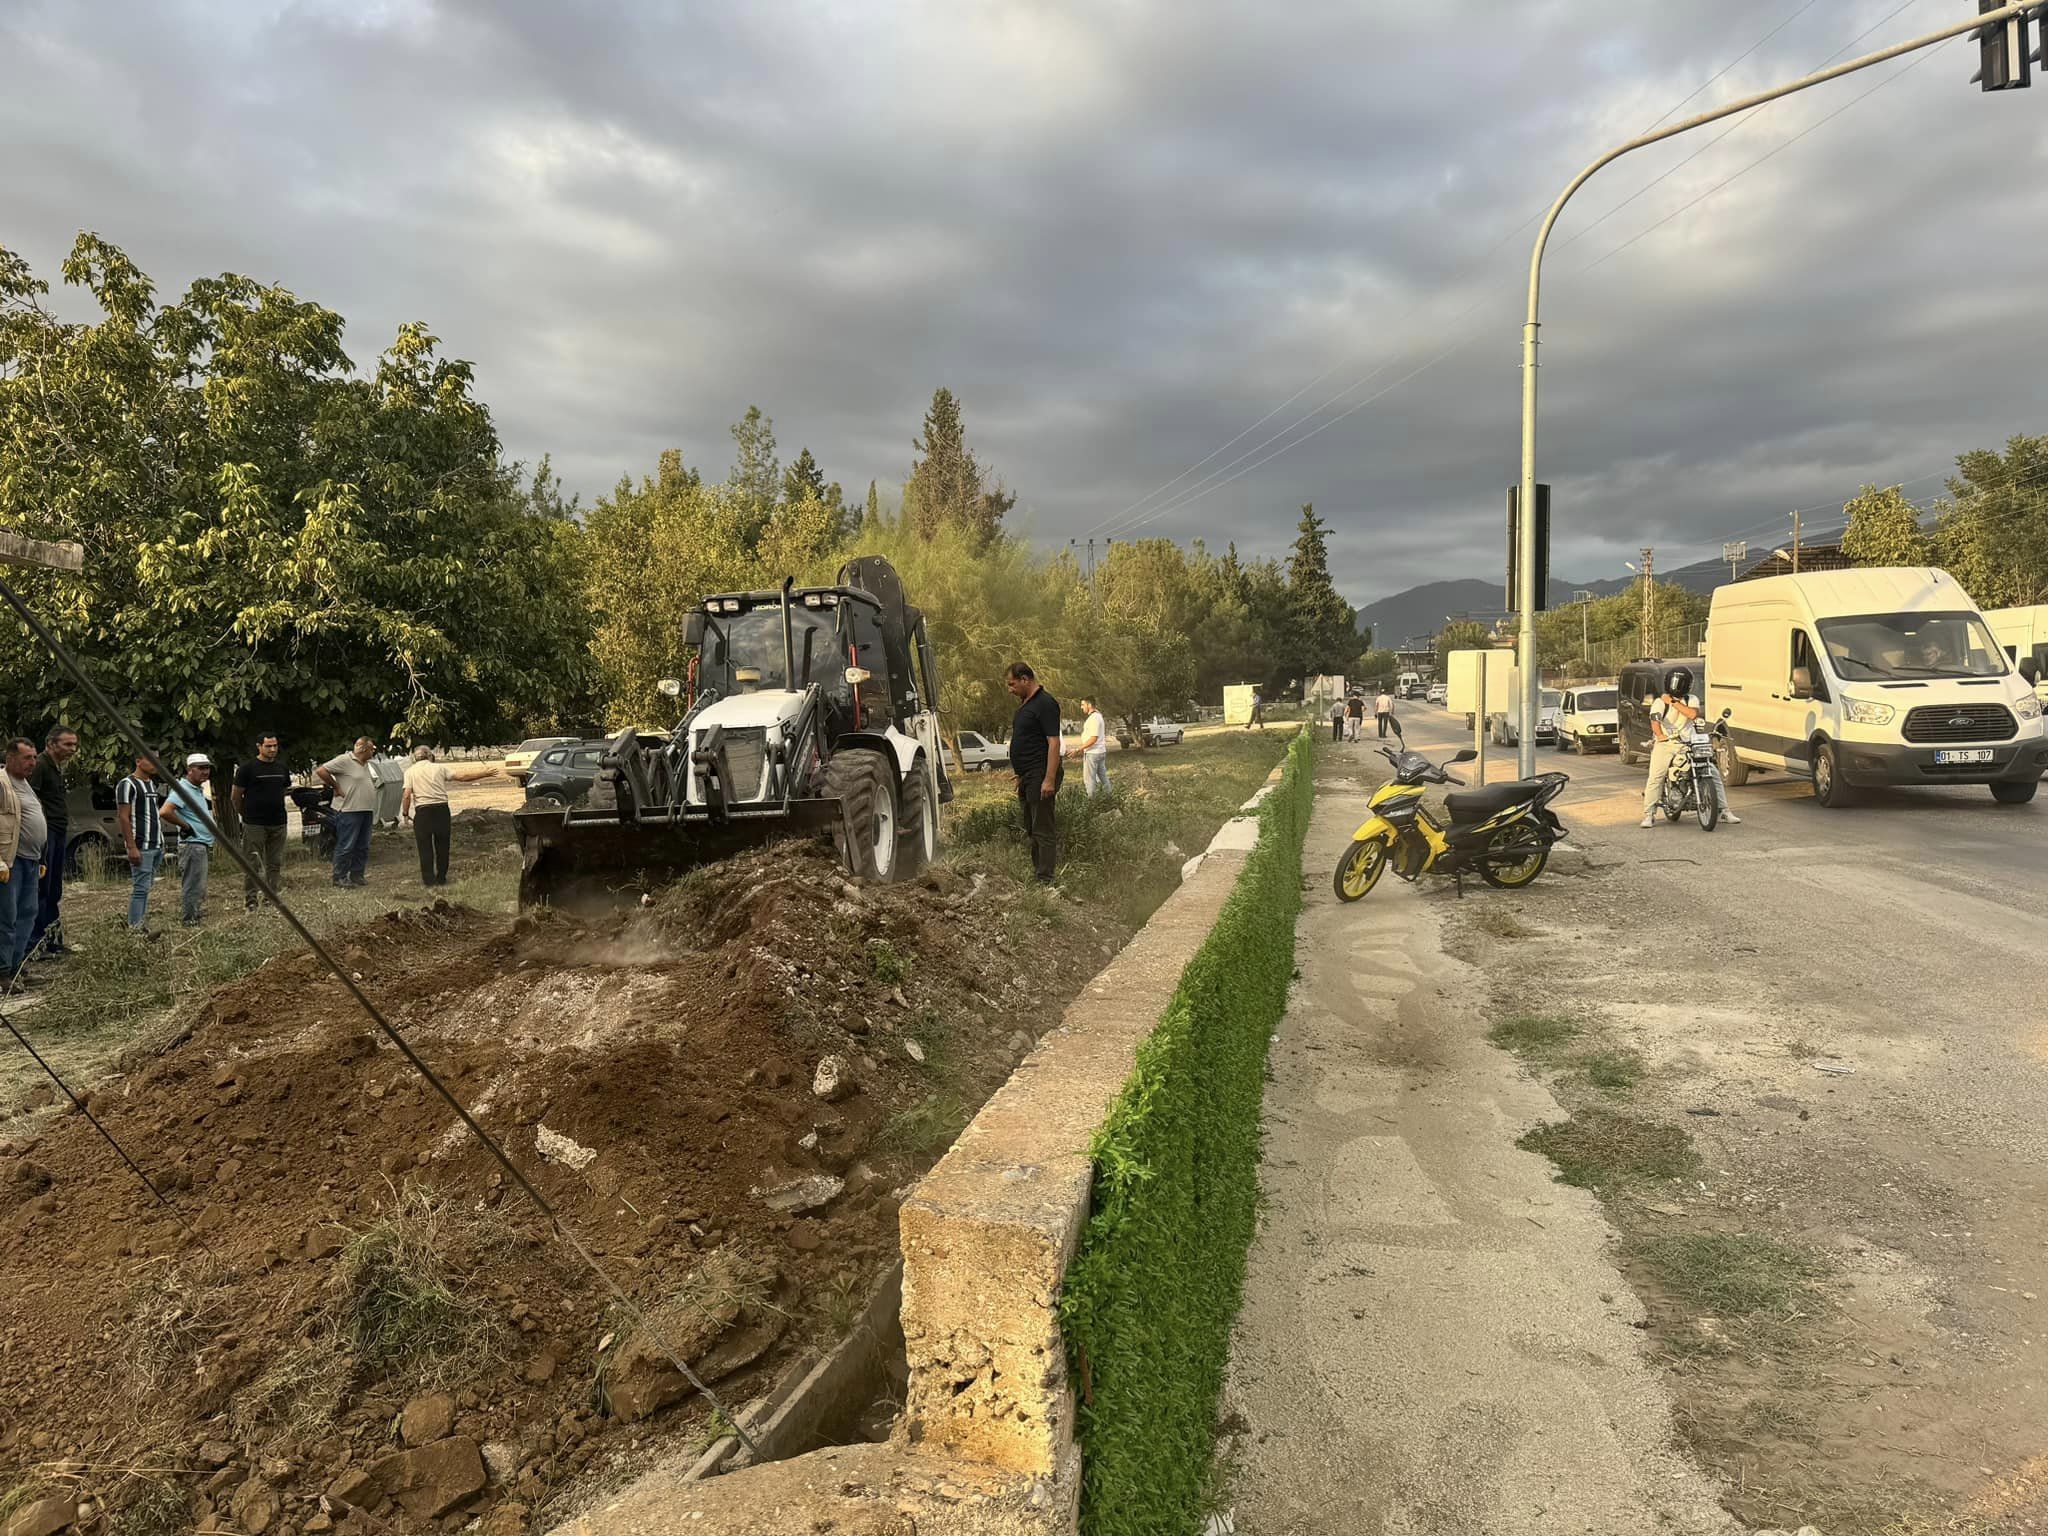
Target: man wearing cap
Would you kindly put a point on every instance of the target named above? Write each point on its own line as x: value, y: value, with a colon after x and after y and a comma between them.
x: 186, y: 810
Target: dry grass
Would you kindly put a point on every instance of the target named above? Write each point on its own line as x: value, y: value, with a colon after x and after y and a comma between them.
x: 175, y: 1311
x: 403, y: 1309
x: 1537, y: 1036
x: 1602, y: 1150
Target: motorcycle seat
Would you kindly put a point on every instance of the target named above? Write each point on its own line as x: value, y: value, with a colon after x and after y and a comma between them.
x: 1478, y: 804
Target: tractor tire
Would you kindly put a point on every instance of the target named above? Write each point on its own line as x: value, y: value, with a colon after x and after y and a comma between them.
x: 918, y: 841
x: 865, y: 787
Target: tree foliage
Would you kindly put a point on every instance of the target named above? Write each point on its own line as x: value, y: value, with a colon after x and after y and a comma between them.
x: 274, y: 541
x: 1459, y: 635
x: 1991, y: 530
x: 947, y: 483
x: 1322, y: 633
x: 1884, y: 529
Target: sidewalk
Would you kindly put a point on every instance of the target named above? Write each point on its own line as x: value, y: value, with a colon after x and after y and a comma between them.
x: 1432, y: 1338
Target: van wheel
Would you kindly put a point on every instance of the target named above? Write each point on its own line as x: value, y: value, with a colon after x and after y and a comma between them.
x: 1734, y: 771
x: 1829, y: 787
x: 2015, y: 794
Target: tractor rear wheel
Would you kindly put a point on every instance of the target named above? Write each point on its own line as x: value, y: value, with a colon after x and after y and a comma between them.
x: 864, y: 786
x: 920, y: 839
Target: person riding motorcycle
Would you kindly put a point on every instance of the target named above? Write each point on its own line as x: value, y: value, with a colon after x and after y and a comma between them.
x: 1672, y: 711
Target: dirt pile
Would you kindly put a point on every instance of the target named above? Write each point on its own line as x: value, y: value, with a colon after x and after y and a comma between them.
x: 348, y: 1321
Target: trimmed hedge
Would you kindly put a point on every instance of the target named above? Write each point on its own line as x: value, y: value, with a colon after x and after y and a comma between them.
x: 1150, y: 1298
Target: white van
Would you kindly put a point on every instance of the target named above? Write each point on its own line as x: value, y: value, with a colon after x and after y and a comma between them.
x: 2024, y: 634
x: 1866, y: 677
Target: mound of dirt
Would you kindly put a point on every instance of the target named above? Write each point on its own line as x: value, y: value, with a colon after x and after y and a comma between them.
x: 346, y: 1308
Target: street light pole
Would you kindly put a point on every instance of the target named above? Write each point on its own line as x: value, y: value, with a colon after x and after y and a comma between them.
x: 2016, y: 12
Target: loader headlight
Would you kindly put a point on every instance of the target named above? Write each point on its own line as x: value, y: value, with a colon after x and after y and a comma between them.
x: 2028, y: 708
x: 1868, y: 712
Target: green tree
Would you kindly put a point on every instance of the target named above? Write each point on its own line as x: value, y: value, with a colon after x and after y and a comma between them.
x: 1460, y: 635
x: 871, y: 514
x: 756, y: 475
x: 947, y: 483
x: 1322, y: 627
x: 804, y: 481
x: 1374, y: 666
x: 275, y: 541
x: 1884, y: 529
x: 1991, y: 530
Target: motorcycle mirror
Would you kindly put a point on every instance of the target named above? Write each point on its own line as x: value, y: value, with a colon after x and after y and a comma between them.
x: 1465, y: 756
x: 1726, y: 713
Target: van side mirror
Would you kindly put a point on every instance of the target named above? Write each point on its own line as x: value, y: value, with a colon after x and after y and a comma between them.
x: 2030, y: 671
x: 1465, y: 756
x: 693, y: 627
x: 1802, y: 682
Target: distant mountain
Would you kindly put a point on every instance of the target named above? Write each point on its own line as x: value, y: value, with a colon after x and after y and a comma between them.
x: 1422, y: 610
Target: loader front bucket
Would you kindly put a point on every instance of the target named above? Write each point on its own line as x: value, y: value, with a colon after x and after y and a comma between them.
x: 591, y: 861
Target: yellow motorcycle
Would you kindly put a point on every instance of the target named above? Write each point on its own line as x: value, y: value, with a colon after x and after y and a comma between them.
x: 1502, y: 832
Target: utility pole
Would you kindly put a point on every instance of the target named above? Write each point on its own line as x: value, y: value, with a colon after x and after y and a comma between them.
x: 1649, y: 601
x: 1795, y: 543
x: 1585, y: 601
x: 2002, y: 38
x: 1735, y: 554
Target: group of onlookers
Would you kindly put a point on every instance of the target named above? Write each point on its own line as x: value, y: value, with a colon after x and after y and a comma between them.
x: 152, y: 819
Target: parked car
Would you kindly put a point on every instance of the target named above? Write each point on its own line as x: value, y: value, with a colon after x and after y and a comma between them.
x: 94, y: 842
x: 1439, y: 693
x: 1589, y: 721
x: 1156, y: 732
x: 980, y: 755
x: 519, y: 761
x: 563, y: 775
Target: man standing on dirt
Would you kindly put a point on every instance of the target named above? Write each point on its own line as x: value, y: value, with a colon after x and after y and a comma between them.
x: 1383, y: 710
x: 190, y: 817
x: 1258, y: 711
x: 355, y: 807
x: 142, y: 834
x: 259, y: 797
x: 1035, y: 763
x: 1354, y: 716
x: 425, y: 804
x: 22, y: 835
x: 59, y: 747
x: 1094, y: 750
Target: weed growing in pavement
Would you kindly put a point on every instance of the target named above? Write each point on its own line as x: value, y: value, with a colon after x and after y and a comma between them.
x: 889, y: 967
x: 1602, y: 1150
x: 1731, y: 1275
x: 1616, y: 1070
x: 1538, y: 1035
x: 843, y: 1299
x: 930, y: 1125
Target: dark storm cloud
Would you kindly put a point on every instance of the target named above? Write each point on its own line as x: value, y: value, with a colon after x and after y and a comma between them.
x: 1120, y: 232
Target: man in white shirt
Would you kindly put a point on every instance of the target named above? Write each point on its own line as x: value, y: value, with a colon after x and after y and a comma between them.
x: 425, y: 804
x: 1670, y: 713
x: 1383, y: 710
x: 1094, y: 750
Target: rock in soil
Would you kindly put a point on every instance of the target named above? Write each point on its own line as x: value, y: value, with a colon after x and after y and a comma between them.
x: 834, y: 1079
x: 45, y: 1517
x: 805, y: 1194
x: 432, y: 1480
x: 427, y: 1418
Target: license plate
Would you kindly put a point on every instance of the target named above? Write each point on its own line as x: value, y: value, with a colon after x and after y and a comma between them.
x: 1965, y: 755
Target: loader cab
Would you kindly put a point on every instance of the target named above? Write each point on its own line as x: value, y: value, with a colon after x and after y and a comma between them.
x: 837, y: 640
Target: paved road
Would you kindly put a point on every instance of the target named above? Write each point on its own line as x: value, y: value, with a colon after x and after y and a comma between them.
x: 1903, y: 938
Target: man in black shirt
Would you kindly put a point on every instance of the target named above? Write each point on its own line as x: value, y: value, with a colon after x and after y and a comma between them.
x: 1035, y: 763
x: 59, y: 747
x: 260, y: 801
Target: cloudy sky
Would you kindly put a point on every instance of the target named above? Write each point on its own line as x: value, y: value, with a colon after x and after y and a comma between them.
x: 1122, y: 231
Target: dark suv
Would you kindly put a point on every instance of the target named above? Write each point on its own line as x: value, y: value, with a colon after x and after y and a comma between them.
x: 562, y: 776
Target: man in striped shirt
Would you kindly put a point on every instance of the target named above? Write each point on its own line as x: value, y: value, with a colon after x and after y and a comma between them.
x: 136, y: 799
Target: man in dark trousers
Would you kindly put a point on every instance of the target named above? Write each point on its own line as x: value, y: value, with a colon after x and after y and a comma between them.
x: 260, y: 795
x: 59, y: 747
x: 1035, y: 764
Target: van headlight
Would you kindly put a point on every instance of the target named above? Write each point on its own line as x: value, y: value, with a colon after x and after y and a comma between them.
x: 2028, y: 708
x: 1869, y: 712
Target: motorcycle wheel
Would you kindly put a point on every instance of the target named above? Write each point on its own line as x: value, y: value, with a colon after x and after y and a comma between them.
x: 1709, y: 813
x: 1360, y: 868
x: 1514, y: 857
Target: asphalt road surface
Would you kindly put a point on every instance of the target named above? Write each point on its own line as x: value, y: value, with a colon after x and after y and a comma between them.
x: 1844, y: 1009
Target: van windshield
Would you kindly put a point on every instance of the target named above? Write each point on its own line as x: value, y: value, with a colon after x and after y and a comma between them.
x: 1915, y: 645
x: 1595, y: 698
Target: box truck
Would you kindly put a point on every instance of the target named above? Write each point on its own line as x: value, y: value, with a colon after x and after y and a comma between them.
x: 1868, y: 677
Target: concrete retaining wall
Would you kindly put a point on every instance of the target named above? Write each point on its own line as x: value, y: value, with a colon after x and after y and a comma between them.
x: 986, y: 1442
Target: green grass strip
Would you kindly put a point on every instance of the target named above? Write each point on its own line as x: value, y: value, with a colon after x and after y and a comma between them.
x: 1150, y: 1297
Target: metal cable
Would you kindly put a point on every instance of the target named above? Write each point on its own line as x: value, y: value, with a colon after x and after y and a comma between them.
x: 143, y: 750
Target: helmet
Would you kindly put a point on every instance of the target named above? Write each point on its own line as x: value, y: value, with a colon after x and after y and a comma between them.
x: 1678, y: 682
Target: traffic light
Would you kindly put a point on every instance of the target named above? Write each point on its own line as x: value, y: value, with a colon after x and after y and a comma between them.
x: 2005, y: 64
x: 1514, y: 602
